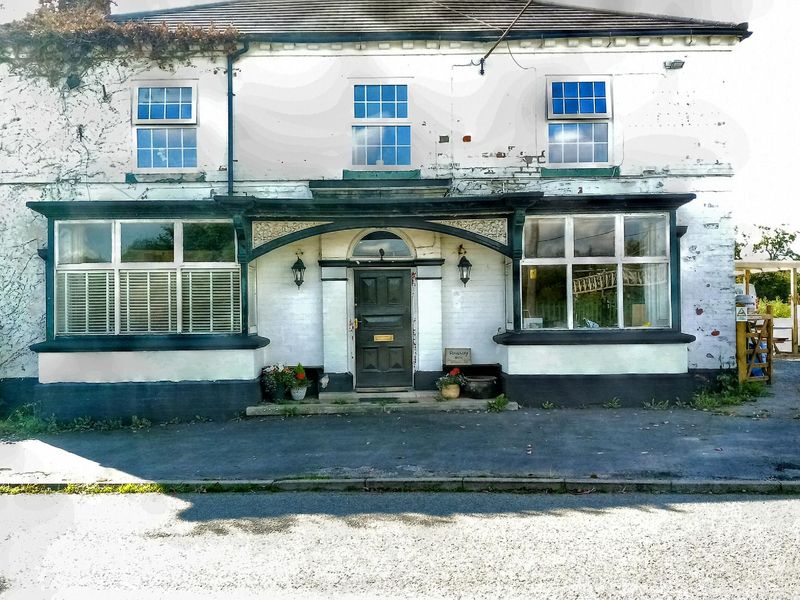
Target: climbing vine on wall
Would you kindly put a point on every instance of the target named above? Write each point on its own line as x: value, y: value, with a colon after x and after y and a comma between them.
x: 64, y: 38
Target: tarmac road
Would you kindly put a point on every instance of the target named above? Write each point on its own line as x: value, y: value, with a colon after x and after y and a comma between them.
x: 306, y: 545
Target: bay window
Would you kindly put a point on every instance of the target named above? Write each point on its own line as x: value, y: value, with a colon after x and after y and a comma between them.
x: 146, y: 277
x: 589, y: 271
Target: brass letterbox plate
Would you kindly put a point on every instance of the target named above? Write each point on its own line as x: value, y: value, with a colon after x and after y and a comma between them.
x: 383, y: 338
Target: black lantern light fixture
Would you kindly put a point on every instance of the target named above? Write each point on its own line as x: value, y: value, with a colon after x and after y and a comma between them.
x: 464, y: 266
x: 298, y: 270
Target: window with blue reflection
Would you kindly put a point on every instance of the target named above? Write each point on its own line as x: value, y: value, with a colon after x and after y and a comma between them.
x: 578, y: 98
x: 387, y: 145
x: 380, y: 101
x: 164, y: 103
x: 166, y: 148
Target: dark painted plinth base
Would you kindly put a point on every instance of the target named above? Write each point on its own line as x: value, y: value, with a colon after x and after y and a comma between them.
x: 158, y: 401
x: 426, y: 380
x: 575, y: 391
x: 339, y: 382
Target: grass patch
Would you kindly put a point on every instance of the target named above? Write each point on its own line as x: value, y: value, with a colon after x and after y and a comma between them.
x: 499, y: 404
x: 613, y: 403
x: 134, y: 488
x: 727, y: 391
x: 548, y: 405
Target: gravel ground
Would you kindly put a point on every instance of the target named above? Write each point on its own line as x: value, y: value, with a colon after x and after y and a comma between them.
x: 399, y: 546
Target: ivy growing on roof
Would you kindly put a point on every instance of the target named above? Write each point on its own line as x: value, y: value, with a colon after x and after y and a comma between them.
x: 64, y: 38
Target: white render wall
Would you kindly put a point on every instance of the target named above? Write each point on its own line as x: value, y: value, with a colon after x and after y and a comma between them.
x: 173, y: 365
x: 672, y: 133
x: 594, y: 359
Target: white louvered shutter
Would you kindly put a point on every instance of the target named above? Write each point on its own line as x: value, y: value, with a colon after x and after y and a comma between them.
x: 211, y: 301
x: 148, y: 302
x: 84, y: 302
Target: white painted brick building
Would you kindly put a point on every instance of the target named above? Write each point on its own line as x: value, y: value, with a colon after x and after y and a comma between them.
x: 582, y: 169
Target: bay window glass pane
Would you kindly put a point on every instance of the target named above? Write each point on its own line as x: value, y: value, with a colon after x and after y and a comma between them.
x: 544, y: 297
x: 646, y: 236
x: 147, y: 242
x: 594, y: 236
x: 80, y: 243
x: 594, y: 296
x: 645, y: 294
x: 208, y: 242
x: 544, y: 238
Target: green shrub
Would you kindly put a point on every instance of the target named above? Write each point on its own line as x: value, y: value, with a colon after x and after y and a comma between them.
x: 780, y: 309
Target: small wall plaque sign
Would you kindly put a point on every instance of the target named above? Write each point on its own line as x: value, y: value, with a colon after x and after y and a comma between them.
x: 458, y: 356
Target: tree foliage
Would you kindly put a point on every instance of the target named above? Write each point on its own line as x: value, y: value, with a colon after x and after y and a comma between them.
x: 777, y: 243
x: 60, y: 38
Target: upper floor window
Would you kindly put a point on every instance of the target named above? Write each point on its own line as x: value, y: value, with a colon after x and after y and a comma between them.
x: 162, y: 139
x: 386, y: 140
x: 579, y: 120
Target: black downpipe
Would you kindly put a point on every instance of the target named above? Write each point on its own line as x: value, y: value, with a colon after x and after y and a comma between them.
x: 232, y: 58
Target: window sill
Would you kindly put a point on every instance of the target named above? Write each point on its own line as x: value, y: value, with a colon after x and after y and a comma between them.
x: 137, y: 343
x: 582, y: 337
x: 374, y: 172
x: 580, y: 172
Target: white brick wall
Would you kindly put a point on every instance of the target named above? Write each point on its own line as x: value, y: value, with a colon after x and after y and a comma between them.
x: 429, y: 320
x: 290, y: 317
x: 471, y: 315
x: 707, y: 281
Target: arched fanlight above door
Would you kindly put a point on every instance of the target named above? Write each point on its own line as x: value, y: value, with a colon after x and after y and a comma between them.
x: 381, y: 245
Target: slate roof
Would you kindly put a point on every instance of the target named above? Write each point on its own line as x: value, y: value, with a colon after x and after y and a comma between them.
x: 352, y: 20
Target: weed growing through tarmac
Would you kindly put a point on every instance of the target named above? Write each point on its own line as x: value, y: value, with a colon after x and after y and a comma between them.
x: 548, y: 405
x: 499, y: 404
x: 290, y: 411
x: 727, y: 391
x: 26, y: 421
x: 656, y: 405
x: 613, y: 403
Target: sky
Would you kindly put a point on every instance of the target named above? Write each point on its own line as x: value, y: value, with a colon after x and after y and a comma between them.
x: 763, y: 182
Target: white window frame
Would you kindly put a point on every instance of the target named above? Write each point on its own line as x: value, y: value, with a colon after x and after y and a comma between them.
x: 380, y: 122
x: 606, y: 118
x: 163, y: 83
x: 177, y: 266
x: 619, y: 260
x: 138, y: 123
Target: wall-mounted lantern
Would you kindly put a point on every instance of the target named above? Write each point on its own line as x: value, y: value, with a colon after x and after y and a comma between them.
x: 674, y: 65
x: 298, y: 270
x: 464, y: 266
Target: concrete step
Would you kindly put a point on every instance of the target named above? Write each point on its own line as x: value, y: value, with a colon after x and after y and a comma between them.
x: 350, y: 408
x: 413, y: 396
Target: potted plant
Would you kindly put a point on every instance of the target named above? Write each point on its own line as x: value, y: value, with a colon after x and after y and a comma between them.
x: 299, y: 384
x: 450, y: 384
x: 275, y: 380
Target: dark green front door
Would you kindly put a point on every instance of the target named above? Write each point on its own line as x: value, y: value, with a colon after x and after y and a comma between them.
x: 383, y: 336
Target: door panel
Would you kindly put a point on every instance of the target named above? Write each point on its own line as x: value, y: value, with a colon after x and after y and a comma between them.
x: 383, y: 337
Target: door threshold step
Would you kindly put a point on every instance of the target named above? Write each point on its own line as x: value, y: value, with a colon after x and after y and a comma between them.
x: 358, y: 397
x: 349, y: 408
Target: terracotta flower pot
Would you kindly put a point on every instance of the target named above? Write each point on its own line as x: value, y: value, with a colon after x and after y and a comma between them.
x: 451, y: 391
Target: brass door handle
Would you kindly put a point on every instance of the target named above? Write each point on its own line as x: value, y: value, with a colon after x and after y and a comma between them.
x: 355, y: 324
